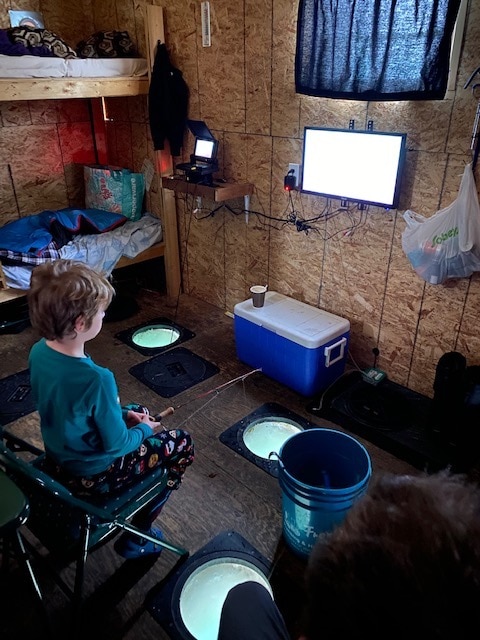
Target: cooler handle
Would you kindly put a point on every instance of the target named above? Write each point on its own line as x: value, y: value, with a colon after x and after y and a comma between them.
x: 328, y: 351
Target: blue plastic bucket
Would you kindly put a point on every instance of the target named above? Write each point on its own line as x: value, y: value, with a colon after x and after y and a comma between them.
x: 321, y: 473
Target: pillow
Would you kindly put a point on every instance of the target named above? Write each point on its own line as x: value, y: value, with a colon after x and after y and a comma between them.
x: 35, y: 39
x: 107, y: 44
x: 9, y: 48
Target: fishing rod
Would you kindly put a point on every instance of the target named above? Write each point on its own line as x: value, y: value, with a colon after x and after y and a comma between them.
x: 169, y: 410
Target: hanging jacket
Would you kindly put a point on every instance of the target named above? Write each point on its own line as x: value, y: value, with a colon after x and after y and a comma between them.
x: 167, y: 103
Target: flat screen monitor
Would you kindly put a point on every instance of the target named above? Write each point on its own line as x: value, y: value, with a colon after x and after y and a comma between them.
x: 361, y: 166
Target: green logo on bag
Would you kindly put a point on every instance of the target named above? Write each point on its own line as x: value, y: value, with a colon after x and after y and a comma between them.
x: 451, y: 233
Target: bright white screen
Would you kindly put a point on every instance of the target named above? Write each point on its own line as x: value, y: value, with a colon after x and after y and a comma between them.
x: 203, y: 148
x: 352, y: 165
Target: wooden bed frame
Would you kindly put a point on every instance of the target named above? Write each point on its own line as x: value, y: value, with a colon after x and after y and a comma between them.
x: 155, y: 251
x: 59, y: 88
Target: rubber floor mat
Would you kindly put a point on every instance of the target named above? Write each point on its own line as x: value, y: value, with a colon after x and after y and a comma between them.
x: 15, y: 397
x: 389, y: 415
x: 173, y: 371
x: 268, y: 426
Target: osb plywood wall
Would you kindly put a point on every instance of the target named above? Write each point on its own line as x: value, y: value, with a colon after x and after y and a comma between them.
x: 243, y: 87
x: 44, y: 144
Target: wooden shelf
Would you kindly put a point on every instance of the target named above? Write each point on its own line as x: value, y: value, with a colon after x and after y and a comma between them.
x: 217, y: 193
x: 11, y: 294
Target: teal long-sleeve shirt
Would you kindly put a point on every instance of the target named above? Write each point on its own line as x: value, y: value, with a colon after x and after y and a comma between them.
x: 82, y: 423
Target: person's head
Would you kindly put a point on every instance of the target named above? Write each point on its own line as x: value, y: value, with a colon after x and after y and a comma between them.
x: 405, y: 563
x: 63, y: 293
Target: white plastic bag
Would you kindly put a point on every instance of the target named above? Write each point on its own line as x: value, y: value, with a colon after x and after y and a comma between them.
x: 447, y: 244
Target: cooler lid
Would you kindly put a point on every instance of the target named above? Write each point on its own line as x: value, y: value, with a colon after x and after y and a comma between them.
x: 297, y: 321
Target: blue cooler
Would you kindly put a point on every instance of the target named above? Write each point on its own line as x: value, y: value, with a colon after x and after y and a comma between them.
x: 301, y: 346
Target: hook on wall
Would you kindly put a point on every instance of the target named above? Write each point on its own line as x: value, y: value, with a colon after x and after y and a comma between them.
x: 468, y: 82
x: 475, y: 142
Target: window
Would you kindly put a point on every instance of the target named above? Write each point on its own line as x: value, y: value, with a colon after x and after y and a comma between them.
x: 374, y: 49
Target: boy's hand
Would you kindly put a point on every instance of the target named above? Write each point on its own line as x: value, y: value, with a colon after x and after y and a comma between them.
x: 134, y: 417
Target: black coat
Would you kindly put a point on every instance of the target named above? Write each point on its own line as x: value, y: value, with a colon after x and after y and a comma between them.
x: 167, y: 103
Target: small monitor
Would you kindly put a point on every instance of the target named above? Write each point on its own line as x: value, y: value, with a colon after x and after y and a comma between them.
x: 205, y: 150
x: 360, y: 166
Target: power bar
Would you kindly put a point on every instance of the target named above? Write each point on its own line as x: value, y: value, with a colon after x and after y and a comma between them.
x: 373, y: 375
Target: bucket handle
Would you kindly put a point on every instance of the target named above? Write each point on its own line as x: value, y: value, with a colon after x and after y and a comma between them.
x: 279, y: 460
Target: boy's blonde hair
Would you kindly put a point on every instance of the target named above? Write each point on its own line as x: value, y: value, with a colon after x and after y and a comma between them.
x: 61, y: 292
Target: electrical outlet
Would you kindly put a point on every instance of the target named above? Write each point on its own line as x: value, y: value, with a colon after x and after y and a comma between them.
x: 296, y: 172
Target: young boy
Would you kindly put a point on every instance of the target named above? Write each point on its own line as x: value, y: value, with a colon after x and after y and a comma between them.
x: 93, y: 445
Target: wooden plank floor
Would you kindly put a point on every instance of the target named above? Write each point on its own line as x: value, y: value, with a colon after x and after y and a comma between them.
x: 222, y: 491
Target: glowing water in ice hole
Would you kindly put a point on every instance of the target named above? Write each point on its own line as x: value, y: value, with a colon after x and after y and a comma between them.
x: 205, y: 590
x: 268, y: 434
x: 155, y: 336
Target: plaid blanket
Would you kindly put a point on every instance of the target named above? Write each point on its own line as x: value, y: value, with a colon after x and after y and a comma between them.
x: 51, y: 252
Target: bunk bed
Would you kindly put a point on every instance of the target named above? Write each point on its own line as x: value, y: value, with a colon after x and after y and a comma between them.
x: 101, y: 86
x: 36, y: 78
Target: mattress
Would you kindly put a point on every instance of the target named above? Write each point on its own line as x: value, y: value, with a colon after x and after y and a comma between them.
x: 49, y: 67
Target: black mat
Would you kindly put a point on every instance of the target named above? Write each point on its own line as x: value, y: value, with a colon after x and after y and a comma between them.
x: 388, y: 415
x: 233, y: 436
x: 162, y: 602
x: 173, y: 371
x: 15, y: 397
x: 127, y: 335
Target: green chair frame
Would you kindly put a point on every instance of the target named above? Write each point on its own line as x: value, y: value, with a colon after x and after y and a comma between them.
x: 14, y: 512
x: 68, y: 527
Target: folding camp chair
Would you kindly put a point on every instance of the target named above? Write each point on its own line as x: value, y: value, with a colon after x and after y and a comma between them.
x: 70, y: 528
x: 14, y: 512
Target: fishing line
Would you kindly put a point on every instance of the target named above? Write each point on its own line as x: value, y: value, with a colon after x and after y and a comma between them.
x: 189, y: 417
x: 215, y: 390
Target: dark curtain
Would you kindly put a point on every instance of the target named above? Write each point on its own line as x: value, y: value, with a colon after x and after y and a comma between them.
x: 374, y: 49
